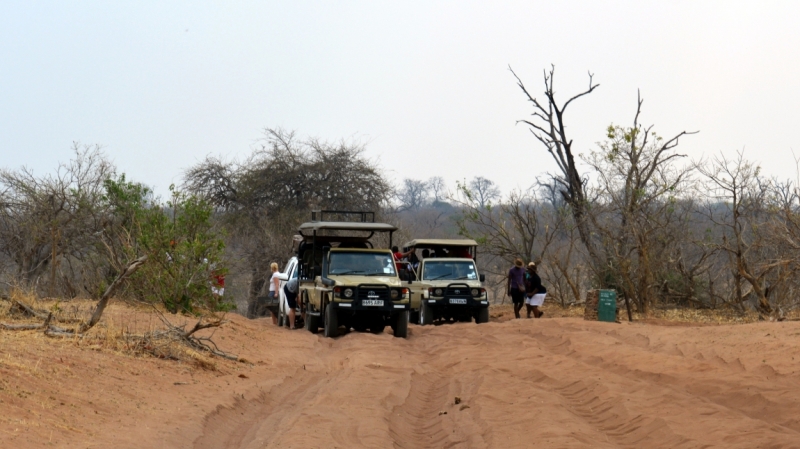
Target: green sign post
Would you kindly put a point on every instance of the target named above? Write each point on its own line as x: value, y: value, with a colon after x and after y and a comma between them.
x: 607, y: 306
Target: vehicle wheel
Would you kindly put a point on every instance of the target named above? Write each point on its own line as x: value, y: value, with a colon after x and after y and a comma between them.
x: 483, y: 315
x: 401, y: 324
x: 312, y: 321
x: 331, y: 322
x: 425, y: 314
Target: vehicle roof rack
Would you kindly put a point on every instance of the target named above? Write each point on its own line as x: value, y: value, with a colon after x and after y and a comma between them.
x: 358, y: 216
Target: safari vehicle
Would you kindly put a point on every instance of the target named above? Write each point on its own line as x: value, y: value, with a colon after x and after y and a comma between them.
x: 448, y: 285
x: 347, y: 281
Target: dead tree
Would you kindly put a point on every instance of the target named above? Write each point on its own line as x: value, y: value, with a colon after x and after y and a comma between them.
x: 548, y: 127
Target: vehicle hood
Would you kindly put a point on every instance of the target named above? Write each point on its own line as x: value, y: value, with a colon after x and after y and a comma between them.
x: 354, y: 280
x: 473, y: 283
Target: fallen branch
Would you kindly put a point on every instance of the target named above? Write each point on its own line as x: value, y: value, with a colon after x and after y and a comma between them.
x: 24, y: 309
x: 20, y: 327
x: 197, y: 342
x: 101, y: 305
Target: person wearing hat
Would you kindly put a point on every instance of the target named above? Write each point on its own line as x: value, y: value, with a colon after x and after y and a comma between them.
x: 516, y: 285
x: 534, y: 291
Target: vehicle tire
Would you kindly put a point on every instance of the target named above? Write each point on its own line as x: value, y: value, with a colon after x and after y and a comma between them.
x: 425, y: 314
x: 401, y: 324
x: 331, y: 322
x: 483, y: 315
x: 312, y: 321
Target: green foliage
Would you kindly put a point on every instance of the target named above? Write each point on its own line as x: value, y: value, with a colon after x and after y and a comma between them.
x: 184, y: 249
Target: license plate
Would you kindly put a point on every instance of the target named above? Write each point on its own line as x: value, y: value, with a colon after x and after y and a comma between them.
x: 372, y: 302
x: 458, y: 300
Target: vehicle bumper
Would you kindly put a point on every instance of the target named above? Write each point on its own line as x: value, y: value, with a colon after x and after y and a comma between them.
x: 388, y: 306
x: 454, y: 302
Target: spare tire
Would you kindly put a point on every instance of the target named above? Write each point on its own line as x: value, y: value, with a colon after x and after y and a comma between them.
x: 331, y: 322
x: 401, y: 324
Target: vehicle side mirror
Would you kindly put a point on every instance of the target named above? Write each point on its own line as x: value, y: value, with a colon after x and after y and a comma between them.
x: 283, y: 276
x: 483, y: 278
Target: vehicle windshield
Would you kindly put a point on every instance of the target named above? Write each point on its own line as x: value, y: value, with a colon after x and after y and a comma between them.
x: 461, y: 270
x: 368, y: 264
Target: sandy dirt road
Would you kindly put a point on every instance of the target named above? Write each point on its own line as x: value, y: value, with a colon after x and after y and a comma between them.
x: 558, y: 382
x: 529, y: 383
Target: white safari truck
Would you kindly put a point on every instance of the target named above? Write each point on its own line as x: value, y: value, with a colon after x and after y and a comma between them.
x: 347, y: 278
x: 448, y: 285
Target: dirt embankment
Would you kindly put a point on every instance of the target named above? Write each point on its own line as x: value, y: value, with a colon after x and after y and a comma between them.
x: 557, y: 382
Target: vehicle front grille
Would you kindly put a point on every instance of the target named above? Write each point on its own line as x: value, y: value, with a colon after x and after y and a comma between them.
x: 373, y: 292
x: 456, y: 291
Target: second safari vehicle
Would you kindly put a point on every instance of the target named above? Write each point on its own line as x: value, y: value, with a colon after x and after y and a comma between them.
x: 447, y: 286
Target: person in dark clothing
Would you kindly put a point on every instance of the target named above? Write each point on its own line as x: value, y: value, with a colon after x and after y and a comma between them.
x: 516, y: 285
x: 534, y: 292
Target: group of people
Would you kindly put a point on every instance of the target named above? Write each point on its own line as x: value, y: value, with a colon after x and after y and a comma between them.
x: 525, y: 288
x: 407, y: 262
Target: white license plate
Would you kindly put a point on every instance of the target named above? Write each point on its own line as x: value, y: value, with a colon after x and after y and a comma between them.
x: 458, y: 300
x: 372, y: 302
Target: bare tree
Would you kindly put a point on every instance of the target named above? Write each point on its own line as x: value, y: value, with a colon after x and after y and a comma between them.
x: 438, y: 188
x: 50, y: 222
x: 413, y: 194
x: 639, y: 181
x: 548, y: 126
x: 736, y: 183
x: 484, y: 190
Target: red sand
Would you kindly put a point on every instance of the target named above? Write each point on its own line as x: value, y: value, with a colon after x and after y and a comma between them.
x: 557, y: 382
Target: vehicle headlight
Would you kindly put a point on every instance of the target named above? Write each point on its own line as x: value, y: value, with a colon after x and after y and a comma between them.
x: 395, y: 294
x: 475, y: 292
x: 438, y: 292
x: 348, y: 293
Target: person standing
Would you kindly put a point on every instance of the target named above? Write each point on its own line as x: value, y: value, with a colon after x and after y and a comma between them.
x: 534, y: 291
x: 516, y: 285
x: 399, y: 263
x: 274, y: 288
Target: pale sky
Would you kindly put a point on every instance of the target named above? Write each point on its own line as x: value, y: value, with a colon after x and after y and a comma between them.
x: 426, y: 85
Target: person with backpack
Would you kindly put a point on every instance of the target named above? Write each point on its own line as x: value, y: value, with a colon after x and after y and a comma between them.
x: 516, y: 285
x: 535, y: 292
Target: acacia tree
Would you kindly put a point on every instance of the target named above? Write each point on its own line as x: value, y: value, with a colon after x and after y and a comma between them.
x: 263, y: 199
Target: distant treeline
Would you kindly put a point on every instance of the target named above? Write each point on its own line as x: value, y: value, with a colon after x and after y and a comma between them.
x: 639, y: 219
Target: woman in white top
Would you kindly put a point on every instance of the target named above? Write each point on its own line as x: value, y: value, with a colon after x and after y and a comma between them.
x: 274, y: 284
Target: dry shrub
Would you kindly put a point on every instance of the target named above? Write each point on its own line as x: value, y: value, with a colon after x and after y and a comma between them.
x: 131, y: 329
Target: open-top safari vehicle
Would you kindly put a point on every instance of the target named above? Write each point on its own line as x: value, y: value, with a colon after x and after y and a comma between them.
x: 448, y: 285
x: 347, y: 275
